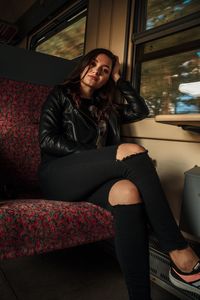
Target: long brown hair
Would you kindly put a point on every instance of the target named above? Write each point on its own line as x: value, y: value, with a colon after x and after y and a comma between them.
x: 104, y: 96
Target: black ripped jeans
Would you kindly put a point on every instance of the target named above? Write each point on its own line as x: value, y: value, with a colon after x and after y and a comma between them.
x: 90, y: 175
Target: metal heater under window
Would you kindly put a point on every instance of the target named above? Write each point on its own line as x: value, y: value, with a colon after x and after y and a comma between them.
x: 190, y: 212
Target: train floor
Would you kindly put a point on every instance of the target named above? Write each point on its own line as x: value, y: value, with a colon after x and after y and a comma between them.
x: 82, y: 273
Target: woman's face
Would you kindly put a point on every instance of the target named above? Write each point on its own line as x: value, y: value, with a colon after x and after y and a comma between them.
x: 95, y: 75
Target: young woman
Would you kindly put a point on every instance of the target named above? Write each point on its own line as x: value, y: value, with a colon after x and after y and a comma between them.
x: 82, y: 158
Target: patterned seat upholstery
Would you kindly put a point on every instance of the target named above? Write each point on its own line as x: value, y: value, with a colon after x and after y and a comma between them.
x: 20, y: 106
x: 28, y: 223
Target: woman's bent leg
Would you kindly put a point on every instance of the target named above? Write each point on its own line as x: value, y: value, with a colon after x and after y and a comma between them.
x: 185, y: 270
x: 141, y: 171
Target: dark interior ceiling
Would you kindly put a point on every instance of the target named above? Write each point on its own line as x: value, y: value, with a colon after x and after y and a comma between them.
x: 12, y: 10
x: 19, y: 18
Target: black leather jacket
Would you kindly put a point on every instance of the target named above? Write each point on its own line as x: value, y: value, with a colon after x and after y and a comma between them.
x: 65, y: 129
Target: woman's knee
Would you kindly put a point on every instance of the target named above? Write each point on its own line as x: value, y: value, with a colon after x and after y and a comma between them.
x: 124, y: 192
x: 127, y: 149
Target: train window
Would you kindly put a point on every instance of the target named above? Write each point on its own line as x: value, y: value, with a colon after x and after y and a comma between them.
x: 68, y: 43
x: 163, y: 79
x: 161, y: 12
x: 63, y: 37
x: 167, y: 58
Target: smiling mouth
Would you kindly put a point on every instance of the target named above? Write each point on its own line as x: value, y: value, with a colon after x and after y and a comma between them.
x: 93, y: 77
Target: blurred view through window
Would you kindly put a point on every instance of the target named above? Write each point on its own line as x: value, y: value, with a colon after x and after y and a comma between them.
x: 68, y: 43
x: 161, y: 81
x: 167, y: 60
x: 161, y: 12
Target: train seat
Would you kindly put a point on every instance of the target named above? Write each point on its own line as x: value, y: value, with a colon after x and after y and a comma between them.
x: 30, y: 224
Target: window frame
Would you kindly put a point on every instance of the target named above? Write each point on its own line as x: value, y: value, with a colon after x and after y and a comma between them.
x: 141, y: 36
x: 60, y: 22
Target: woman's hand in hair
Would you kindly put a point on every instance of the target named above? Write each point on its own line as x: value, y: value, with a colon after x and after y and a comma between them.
x: 116, y: 70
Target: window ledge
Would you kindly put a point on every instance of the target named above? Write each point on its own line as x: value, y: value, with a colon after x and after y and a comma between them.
x: 186, y: 121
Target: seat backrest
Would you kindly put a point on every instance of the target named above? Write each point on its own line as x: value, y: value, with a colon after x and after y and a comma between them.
x: 21, y: 99
x: 20, y: 105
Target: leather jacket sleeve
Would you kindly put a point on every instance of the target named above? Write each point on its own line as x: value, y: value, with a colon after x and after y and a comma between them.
x: 53, y: 135
x: 135, y: 109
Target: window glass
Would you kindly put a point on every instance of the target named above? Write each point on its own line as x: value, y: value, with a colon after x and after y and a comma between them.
x: 171, y: 85
x: 162, y: 12
x: 173, y: 40
x: 68, y: 43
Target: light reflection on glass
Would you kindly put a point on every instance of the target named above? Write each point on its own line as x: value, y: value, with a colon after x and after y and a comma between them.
x: 190, y: 88
x: 161, y: 80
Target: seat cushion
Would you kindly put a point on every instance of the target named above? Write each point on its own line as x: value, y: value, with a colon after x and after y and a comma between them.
x: 33, y: 226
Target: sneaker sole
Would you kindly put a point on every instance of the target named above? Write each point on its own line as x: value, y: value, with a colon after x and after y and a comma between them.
x: 183, y: 285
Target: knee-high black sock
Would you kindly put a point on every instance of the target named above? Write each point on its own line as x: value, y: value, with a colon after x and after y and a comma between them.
x: 141, y: 171
x: 131, y: 243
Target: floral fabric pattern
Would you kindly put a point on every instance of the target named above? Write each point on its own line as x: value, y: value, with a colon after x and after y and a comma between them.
x: 29, y: 224
x: 20, y: 107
